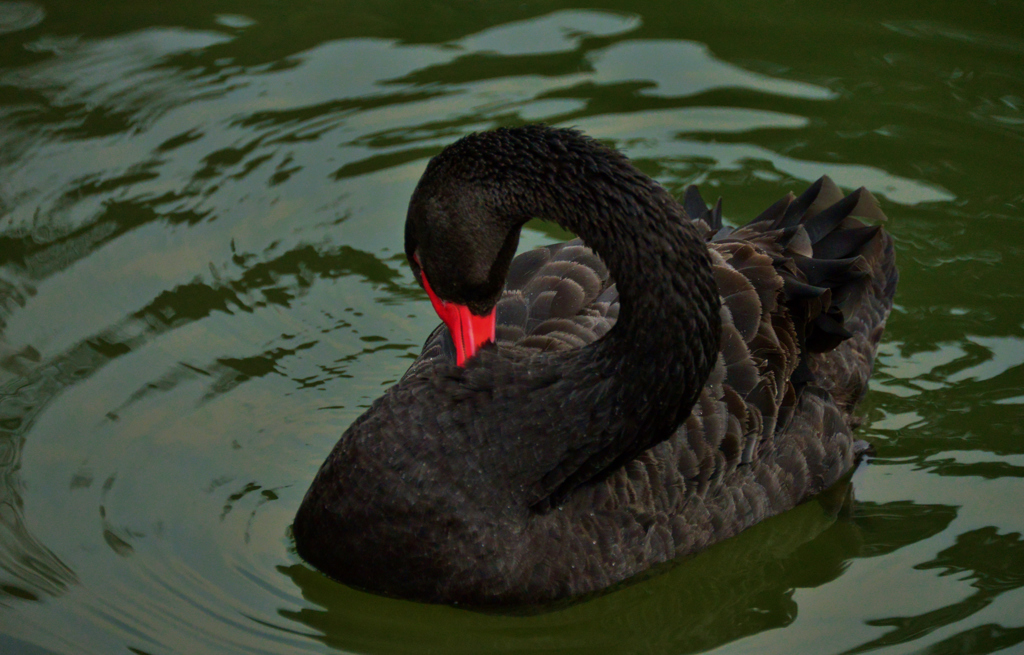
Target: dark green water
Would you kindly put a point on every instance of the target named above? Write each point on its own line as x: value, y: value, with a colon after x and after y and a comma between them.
x: 201, y: 286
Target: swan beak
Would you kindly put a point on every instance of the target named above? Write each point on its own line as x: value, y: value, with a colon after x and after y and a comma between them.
x: 469, y: 331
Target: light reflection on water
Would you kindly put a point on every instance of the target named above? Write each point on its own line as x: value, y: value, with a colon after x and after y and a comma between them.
x: 202, y: 285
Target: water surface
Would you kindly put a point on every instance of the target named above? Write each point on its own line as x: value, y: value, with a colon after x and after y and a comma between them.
x: 202, y: 284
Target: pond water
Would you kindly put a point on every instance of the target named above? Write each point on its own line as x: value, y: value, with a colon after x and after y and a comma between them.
x: 202, y: 284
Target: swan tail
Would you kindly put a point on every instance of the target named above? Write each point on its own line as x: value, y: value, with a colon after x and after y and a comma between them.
x: 838, y: 278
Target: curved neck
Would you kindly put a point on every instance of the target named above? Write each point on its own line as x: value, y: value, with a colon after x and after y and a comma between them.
x: 666, y: 339
x: 637, y: 384
x: 669, y: 303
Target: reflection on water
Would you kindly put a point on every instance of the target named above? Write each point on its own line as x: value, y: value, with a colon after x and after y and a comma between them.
x: 739, y: 589
x: 202, y: 284
x: 30, y: 571
x: 16, y: 16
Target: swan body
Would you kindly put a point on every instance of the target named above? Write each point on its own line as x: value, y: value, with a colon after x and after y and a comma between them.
x: 658, y: 385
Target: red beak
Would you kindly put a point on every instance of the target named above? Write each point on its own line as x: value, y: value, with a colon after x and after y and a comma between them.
x: 469, y: 331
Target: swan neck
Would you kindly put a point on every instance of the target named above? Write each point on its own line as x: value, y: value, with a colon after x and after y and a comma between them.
x: 669, y: 303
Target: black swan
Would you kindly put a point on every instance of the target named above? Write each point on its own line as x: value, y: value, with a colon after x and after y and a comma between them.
x: 656, y: 386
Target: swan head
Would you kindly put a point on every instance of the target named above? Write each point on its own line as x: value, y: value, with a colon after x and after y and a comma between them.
x: 461, y: 233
